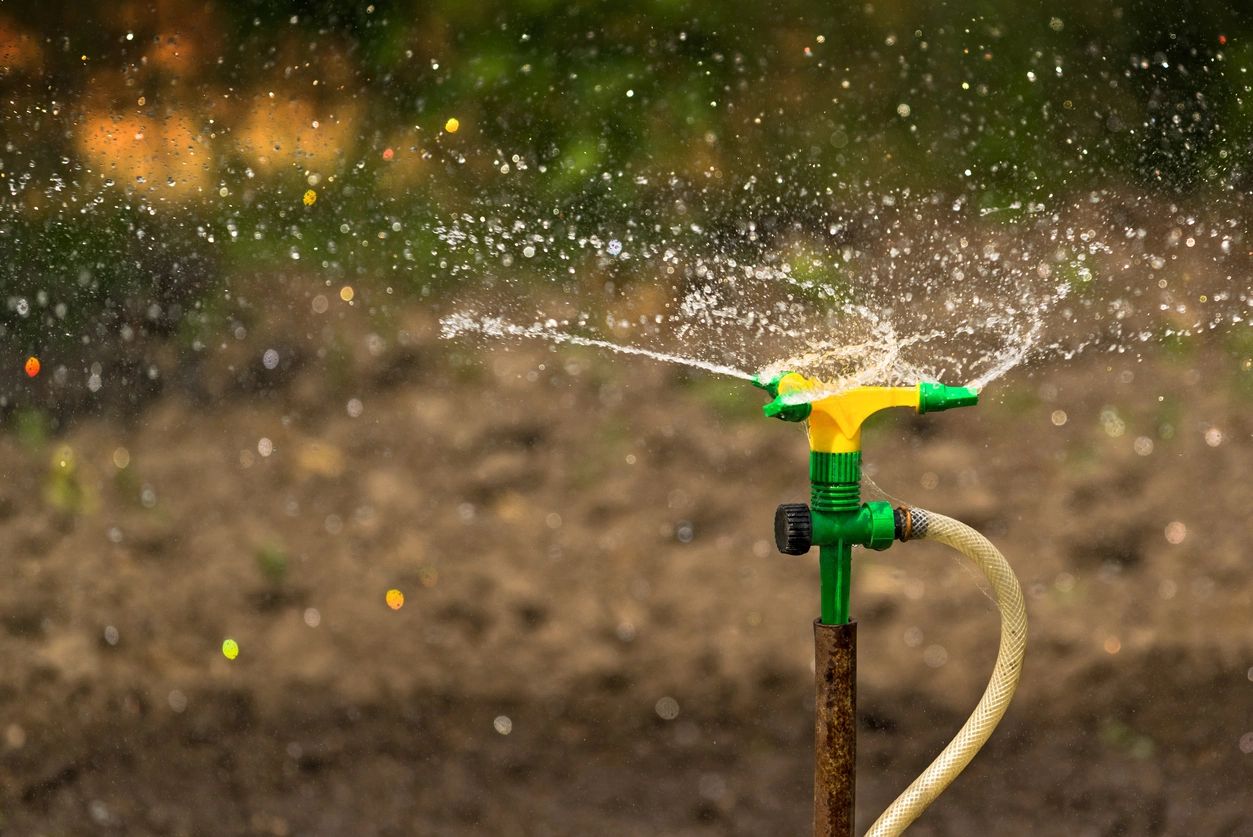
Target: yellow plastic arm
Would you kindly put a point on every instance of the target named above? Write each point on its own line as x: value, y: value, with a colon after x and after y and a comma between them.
x: 835, y: 421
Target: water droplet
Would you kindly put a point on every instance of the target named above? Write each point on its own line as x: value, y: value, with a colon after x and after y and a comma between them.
x: 1176, y: 531
x: 935, y: 656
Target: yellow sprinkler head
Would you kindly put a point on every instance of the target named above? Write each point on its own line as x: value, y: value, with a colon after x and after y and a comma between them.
x: 834, y: 421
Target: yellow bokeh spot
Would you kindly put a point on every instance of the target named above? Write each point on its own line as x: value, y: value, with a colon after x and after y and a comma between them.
x: 63, y: 458
x: 346, y: 293
x: 230, y: 649
x: 166, y: 152
x: 310, y: 198
x: 395, y: 599
x: 452, y: 125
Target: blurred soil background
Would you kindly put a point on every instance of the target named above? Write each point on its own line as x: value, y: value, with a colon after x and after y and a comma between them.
x: 218, y: 232
x: 597, y: 635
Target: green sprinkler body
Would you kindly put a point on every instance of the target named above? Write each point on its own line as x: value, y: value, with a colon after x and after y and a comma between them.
x: 835, y: 520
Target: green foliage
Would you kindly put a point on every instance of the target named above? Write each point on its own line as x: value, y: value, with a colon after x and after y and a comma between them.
x: 1240, y: 350
x: 1016, y: 400
x: 730, y: 401
x: 272, y: 562
x: 64, y: 489
x: 1118, y: 734
x: 83, y: 278
x: 30, y: 425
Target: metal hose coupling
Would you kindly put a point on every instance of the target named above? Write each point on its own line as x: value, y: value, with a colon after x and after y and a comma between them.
x: 911, y: 524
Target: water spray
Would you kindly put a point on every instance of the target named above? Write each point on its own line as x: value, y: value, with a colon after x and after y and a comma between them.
x: 835, y: 520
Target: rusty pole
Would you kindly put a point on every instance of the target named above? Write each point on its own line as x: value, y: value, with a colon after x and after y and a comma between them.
x: 835, y: 728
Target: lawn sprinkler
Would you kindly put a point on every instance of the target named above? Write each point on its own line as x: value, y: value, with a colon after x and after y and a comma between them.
x: 835, y: 520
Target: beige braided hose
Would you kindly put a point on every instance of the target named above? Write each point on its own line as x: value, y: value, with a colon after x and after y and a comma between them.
x: 1000, y: 690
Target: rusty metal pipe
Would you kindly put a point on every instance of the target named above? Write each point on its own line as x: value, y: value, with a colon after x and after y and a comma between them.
x: 835, y: 728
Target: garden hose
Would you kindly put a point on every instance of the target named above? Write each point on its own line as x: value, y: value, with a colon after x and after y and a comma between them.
x: 918, y: 524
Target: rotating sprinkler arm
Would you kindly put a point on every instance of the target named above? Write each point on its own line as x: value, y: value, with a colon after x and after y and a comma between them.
x: 835, y: 521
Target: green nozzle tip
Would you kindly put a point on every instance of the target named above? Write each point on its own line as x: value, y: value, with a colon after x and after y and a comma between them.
x: 780, y: 409
x: 770, y: 385
x: 934, y: 397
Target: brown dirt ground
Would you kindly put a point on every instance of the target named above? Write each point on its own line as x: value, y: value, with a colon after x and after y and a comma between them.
x: 578, y: 537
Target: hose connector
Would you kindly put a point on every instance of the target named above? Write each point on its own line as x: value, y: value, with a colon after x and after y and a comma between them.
x: 911, y: 524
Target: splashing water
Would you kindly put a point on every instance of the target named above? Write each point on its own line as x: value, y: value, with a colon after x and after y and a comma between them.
x: 457, y: 325
x: 945, y: 299
x: 748, y: 259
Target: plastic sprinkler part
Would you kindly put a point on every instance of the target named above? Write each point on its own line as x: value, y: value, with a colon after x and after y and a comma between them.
x: 793, y: 529
x: 835, y: 519
x: 782, y: 407
x: 932, y: 398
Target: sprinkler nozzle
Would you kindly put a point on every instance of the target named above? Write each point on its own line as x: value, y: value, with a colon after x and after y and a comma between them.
x: 781, y: 407
x: 933, y: 397
x: 770, y: 385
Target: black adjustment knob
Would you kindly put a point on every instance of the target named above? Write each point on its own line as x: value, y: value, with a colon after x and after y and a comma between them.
x: 793, y: 529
